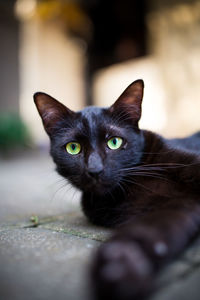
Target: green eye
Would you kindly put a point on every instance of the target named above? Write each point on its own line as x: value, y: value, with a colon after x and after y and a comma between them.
x: 73, y: 148
x: 115, y: 143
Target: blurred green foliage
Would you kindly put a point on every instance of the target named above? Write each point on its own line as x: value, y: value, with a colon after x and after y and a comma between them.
x: 13, y: 132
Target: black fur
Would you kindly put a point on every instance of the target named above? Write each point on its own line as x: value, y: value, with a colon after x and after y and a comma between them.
x: 148, y: 188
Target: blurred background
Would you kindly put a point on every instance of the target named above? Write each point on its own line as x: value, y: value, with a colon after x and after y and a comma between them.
x: 81, y: 52
x: 88, y: 52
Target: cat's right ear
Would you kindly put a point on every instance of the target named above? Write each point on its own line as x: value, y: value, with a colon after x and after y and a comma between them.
x: 51, y: 111
x: 130, y: 102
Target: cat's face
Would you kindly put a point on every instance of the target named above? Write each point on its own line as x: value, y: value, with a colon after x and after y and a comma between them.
x: 93, y: 147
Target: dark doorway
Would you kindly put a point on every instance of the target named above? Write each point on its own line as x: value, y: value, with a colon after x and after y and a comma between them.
x: 119, y: 33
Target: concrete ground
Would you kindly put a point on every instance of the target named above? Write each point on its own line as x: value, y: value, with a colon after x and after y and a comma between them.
x: 47, y: 257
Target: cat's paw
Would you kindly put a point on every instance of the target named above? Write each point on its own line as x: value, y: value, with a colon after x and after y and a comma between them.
x: 121, y: 270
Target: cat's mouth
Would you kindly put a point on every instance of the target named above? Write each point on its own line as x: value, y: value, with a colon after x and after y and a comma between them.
x: 96, y: 185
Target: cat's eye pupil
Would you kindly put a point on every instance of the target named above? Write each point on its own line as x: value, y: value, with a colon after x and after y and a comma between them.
x: 114, y: 143
x: 73, y: 148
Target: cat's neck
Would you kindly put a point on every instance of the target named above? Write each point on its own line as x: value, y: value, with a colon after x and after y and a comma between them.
x: 100, y: 209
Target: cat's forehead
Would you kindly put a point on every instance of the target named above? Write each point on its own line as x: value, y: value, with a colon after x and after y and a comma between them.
x: 92, y: 115
x: 93, y: 120
x: 96, y: 121
x: 91, y: 112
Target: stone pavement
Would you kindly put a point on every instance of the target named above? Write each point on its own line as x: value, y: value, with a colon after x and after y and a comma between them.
x: 47, y: 258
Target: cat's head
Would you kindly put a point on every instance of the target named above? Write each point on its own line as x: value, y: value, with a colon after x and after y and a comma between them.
x: 95, y: 147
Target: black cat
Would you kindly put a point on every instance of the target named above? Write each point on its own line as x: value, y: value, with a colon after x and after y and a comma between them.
x: 147, y: 186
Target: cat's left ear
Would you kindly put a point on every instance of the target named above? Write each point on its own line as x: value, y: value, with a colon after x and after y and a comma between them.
x: 51, y: 111
x: 130, y: 101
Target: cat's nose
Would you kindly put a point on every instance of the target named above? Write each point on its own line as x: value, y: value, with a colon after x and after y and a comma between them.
x: 94, y: 174
x: 95, y: 165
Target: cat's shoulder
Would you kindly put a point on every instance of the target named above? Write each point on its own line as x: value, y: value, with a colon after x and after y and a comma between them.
x: 189, y: 143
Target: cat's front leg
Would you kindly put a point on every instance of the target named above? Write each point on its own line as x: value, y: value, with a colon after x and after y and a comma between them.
x: 121, y: 270
x: 125, y: 266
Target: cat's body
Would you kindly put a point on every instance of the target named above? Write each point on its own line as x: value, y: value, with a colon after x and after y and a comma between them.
x: 190, y: 143
x: 135, y: 180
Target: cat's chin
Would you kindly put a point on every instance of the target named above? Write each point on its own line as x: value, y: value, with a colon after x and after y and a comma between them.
x: 97, y: 188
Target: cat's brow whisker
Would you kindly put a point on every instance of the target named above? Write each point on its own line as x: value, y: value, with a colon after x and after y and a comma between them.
x: 122, y: 116
x: 119, y: 115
